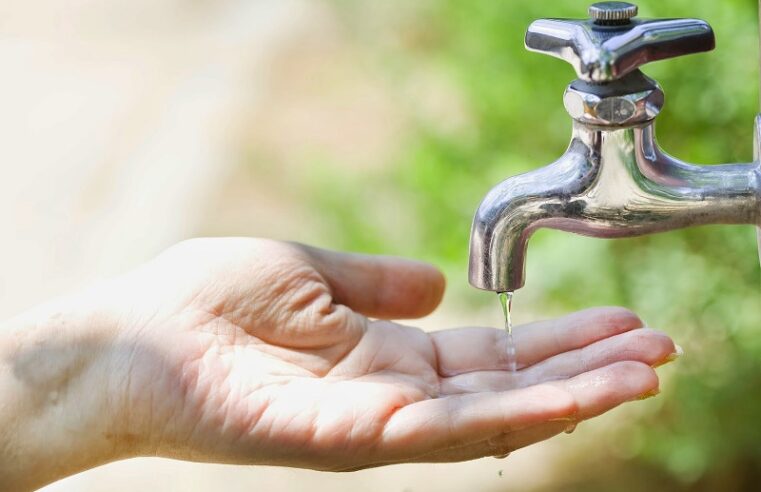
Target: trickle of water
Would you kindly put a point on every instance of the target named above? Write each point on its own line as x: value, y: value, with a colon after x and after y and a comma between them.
x: 506, y: 300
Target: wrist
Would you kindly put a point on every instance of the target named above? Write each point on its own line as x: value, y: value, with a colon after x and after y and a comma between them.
x: 55, y: 367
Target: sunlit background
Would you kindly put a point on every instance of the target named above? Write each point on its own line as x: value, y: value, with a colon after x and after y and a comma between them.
x: 377, y: 126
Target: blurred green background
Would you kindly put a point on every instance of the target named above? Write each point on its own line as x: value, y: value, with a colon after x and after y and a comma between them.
x: 378, y: 126
x: 701, y: 285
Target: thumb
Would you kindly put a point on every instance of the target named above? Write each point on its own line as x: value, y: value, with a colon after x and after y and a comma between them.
x: 380, y: 286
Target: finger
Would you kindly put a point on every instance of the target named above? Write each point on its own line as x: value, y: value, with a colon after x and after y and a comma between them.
x: 461, y: 420
x: 498, y: 446
x: 605, y: 388
x: 464, y: 350
x: 648, y: 346
x: 380, y: 286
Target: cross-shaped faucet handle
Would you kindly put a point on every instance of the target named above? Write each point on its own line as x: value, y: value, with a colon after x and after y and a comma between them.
x: 613, y: 43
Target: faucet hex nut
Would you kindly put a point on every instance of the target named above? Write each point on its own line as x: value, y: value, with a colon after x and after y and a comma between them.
x: 615, y: 110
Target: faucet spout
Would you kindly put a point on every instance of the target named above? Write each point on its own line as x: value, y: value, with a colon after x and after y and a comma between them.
x: 610, y: 183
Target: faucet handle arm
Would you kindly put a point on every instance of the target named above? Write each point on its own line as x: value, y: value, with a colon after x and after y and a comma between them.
x: 655, y: 40
x: 612, y: 45
x: 567, y: 39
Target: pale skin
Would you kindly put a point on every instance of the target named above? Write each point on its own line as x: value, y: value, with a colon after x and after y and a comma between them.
x: 253, y: 352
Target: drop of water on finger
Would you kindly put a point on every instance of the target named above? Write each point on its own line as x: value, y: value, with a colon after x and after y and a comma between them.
x: 506, y: 300
x: 570, y: 428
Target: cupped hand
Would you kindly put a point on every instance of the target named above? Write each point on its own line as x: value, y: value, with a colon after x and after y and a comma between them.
x: 261, y: 352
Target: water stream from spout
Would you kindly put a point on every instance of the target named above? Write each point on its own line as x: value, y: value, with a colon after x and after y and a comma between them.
x: 506, y: 300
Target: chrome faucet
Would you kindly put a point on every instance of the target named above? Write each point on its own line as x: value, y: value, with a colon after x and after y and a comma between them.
x: 613, y: 181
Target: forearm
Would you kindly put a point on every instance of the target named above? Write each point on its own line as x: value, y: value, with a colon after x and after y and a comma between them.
x: 54, y: 405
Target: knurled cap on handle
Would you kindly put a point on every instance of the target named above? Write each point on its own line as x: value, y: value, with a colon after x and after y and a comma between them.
x: 616, y: 12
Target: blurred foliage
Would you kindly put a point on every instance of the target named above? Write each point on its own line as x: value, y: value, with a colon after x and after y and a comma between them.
x: 701, y: 285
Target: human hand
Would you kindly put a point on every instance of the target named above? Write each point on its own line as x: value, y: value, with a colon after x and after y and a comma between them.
x: 259, y: 352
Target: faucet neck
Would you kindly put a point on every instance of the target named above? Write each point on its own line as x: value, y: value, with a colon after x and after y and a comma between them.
x: 627, y: 169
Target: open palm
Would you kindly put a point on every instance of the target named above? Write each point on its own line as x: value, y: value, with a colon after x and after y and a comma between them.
x: 260, y: 352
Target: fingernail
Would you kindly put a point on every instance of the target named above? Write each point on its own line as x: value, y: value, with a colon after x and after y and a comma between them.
x: 649, y: 394
x: 678, y: 352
